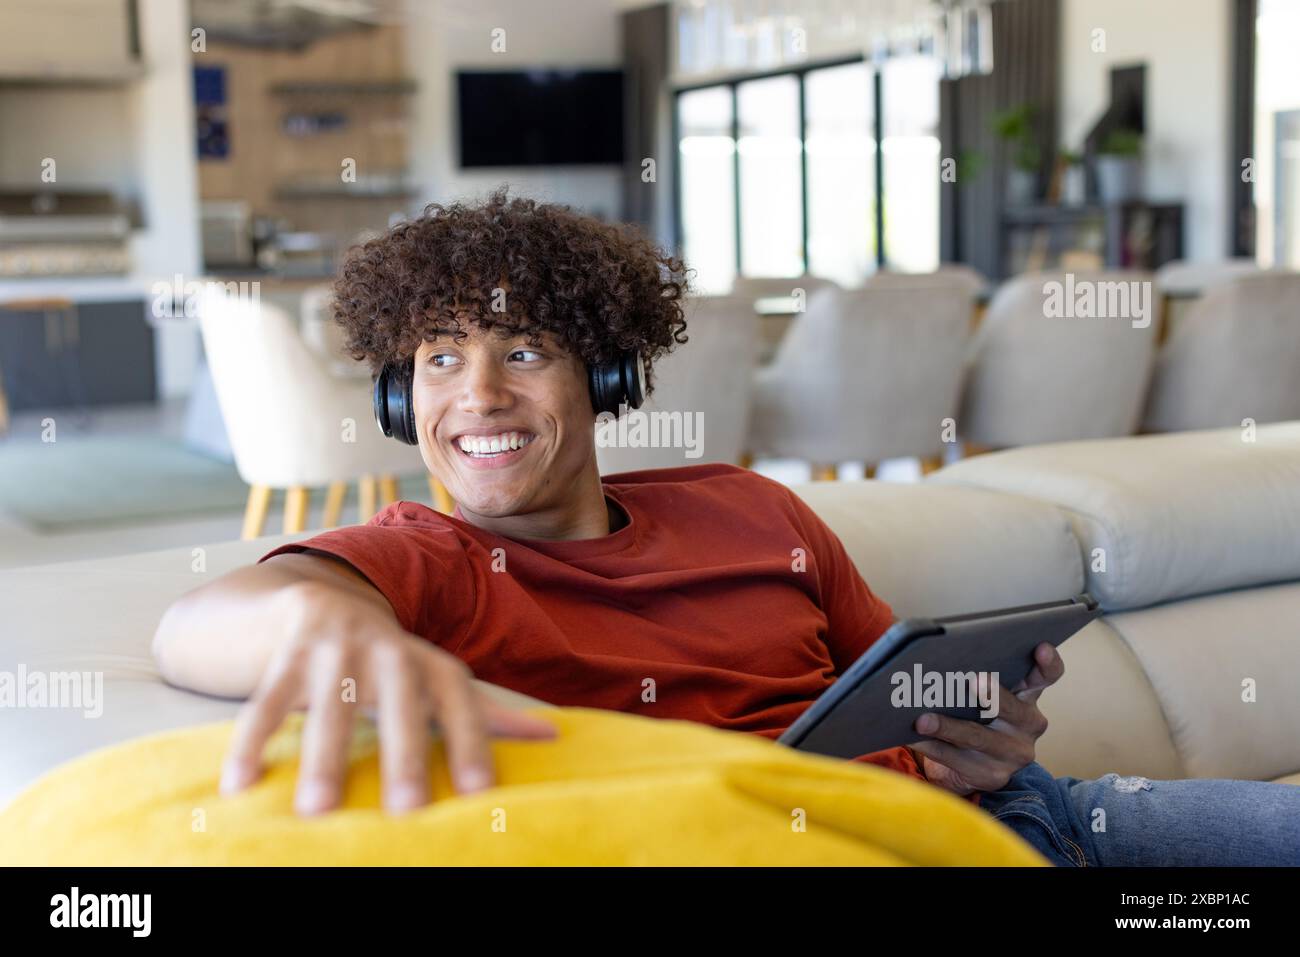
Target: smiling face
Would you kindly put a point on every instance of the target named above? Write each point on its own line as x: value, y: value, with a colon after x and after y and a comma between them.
x: 508, y: 429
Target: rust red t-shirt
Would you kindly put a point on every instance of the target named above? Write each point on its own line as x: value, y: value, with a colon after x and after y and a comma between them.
x: 724, y: 600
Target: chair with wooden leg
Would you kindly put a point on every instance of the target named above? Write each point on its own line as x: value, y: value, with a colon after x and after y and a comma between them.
x: 703, y: 388
x: 1040, y: 375
x: 334, y: 497
x: 864, y: 375
x: 1234, y: 357
x: 293, y: 426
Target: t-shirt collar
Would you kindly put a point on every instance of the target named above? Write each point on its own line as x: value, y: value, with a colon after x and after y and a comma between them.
x: 572, y: 549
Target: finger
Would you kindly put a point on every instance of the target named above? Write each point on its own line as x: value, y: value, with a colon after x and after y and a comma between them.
x: 974, y: 767
x: 1005, y: 706
x: 506, y: 722
x: 403, y: 737
x: 254, y: 725
x: 325, y: 737
x: 461, y: 715
x: 1029, y: 729
x: 1019, y: 715
x: 1048, y: 669
x: 967, y: 734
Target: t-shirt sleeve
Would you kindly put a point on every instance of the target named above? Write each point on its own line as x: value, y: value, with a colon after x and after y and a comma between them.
x: 421, y: 569
x: 855, y: 615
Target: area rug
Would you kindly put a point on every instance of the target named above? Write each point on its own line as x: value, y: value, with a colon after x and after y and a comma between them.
x: 98, y: 481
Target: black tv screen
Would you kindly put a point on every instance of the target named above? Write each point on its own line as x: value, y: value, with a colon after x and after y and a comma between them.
x: 540, y: 117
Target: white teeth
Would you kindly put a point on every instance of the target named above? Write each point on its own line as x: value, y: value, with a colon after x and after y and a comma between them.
x: 493, y: 444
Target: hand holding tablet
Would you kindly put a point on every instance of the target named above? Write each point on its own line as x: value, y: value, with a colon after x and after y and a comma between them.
x: 922, y: 666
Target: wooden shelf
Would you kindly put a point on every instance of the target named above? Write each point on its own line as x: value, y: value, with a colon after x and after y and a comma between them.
x: 329, y: 192
x: 71, y: 75
x: 344, y: 88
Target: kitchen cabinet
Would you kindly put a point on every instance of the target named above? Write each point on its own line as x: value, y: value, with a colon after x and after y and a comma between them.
x: 100, y: 354
x: 69, y: 41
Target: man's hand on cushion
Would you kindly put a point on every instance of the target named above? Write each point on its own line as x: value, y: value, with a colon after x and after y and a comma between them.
x: 966, y: 756
x: 404, y: 679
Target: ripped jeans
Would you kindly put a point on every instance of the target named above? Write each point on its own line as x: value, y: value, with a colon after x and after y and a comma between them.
x: 1116, y: 821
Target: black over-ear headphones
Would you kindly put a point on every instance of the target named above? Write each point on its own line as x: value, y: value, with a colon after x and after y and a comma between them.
x: 611, y: 384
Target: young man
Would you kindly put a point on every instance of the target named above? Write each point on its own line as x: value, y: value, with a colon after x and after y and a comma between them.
x: 553, y: 583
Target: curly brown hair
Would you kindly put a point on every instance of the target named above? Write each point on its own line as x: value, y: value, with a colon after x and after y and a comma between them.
x: 599, y: 288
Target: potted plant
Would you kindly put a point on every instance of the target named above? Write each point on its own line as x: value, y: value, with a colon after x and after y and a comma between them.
x: 1073, y: 184
x: 1015, y: 127
x: 970, y: 163
x: 1119, y: 166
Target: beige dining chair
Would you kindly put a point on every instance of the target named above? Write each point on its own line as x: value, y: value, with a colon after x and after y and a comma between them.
x: 1042, y: 369
x: 864, y: 375
x: 293, y: 425
x: 1234, y: 358
x: 703, y: 390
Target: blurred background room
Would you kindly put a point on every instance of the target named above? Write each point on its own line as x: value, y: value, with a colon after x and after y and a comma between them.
x: 872, y: 193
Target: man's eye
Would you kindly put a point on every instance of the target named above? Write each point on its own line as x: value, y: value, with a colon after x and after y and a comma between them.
x: 443, y: 359
x: 525, y: 355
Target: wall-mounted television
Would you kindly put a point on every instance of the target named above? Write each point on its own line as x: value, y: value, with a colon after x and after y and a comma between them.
x: 543, y: 117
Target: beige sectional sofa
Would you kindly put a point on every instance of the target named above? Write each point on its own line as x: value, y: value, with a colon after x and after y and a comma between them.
x: 1200, y: 535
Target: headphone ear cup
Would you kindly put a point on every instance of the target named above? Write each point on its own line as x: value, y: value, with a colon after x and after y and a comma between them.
x: 380, y: 402
x: 394, y: 405
x: 633, y: 370
x: 598, y: 381
x: 618, y: 383
x: 409, y: 435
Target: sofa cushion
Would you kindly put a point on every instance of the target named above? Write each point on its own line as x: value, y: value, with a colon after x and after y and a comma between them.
x: 1173, y: 515
x: 609, y: 789
x: 1203, y: 656
x: 98, y: 618
x: 1103, y: 715
x: 931, y: 550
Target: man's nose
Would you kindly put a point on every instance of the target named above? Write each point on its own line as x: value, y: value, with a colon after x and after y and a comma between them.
x: 485, y: 389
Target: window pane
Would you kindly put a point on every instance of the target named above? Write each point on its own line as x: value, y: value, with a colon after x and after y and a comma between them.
x: 706, y: 155
x: 1277, y: 135
x: 771, y: 188
x: 910, y: 104
x: 841, y: 149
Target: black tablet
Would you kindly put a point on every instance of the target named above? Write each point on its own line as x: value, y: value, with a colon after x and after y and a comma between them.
x: 922, y: 665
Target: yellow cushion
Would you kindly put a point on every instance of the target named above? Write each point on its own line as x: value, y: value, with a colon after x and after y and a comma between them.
x: 611, y: 789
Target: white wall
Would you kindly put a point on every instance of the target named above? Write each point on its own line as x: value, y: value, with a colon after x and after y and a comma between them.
x: 135, y: 139
x: 446, y: 35
x: 59, y: 122
x: 162, y: 134
x: 161, y: 108
x: 1186, y: 45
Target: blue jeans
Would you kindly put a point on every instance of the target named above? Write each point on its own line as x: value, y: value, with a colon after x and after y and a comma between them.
x: 1134, y: 822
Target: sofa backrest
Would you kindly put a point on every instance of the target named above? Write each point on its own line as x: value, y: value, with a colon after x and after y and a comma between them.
x: 1165, y: 517
x: 934, y: 550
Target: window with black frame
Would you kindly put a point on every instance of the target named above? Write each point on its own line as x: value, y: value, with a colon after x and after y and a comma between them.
x: 780, y: 174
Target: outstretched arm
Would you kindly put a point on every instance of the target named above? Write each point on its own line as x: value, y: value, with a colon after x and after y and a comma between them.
x: 304, y: 631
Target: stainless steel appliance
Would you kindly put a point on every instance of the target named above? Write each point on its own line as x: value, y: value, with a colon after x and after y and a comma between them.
x: 63, y: 233
x: 227, y: 234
